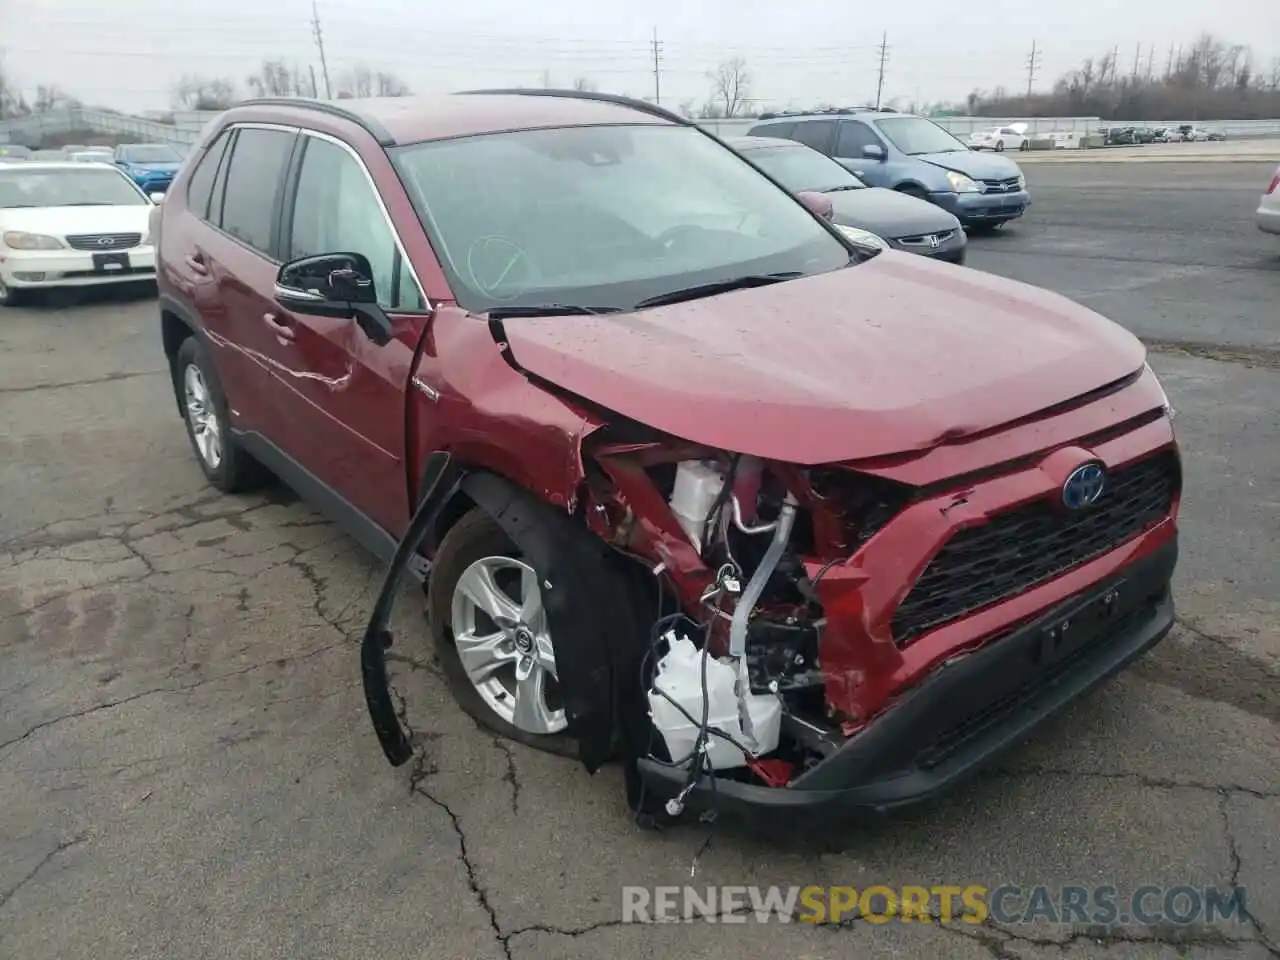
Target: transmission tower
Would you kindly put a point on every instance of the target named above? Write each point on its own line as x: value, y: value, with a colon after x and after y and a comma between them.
x: 1033, y: 65
x: 884, y: 58
x: 319, y: 38
x: 657, y: 68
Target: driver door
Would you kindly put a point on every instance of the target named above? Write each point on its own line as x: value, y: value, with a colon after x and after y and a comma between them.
x: 345, y: 395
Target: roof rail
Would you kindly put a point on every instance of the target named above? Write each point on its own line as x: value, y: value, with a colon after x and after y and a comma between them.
x: 643, y: 106
x: 370, y: 125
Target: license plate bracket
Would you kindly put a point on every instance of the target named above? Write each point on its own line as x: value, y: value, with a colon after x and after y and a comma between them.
x: 1084, y: 624
x: 111, y: 262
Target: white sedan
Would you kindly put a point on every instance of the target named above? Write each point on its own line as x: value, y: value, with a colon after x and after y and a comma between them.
x: 71, y: 225
x: 1000, y: 139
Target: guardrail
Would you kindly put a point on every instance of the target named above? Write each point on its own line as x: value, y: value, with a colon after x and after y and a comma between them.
x: 187, y: 125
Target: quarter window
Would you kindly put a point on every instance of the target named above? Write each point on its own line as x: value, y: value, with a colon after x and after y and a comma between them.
x: 252, y: 181
x: 200, y: 187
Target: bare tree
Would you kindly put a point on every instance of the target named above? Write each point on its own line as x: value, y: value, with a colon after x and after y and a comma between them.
x: 730, y: 85
x: 49, y: 97
x: 196, y: 92
x: 1208, y: 78
x: 584, y: 84
x: 356, y: 82
x: 275, y: 78
x: 12, y: 102
x: 386, y: 84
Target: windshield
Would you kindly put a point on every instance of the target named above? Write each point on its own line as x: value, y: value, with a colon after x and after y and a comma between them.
x: 604, y: 217
x: 22, y: 187
x: 916, y: 135
x: 150, y: 153
x: 799, y: 168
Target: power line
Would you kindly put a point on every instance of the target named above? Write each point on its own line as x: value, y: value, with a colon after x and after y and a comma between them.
x: 1033, y: 64
x: 657, y: 69
x: 324, y: 64
x: 884, y: 58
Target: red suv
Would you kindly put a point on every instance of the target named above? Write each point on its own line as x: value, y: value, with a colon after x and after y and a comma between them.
x: 626, y: 405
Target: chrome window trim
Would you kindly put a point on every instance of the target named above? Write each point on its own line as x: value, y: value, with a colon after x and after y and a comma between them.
x: 429, y: 307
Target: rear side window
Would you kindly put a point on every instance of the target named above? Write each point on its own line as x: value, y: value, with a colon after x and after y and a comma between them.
x: 253, y: 185
x: 853, y: 137
x: 779, y: 131
x: 200, y: 187
x: 816, y: 134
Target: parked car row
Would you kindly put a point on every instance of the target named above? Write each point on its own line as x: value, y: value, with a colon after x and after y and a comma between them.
x: 71, y: 224
x: 150, y: 165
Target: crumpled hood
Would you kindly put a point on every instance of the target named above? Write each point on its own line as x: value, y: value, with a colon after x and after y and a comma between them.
x: 894, y: 355
x: 980, y: 166
x: 890, y: 214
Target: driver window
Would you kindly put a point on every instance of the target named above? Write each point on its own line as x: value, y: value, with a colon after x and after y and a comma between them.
x: 335, y: 211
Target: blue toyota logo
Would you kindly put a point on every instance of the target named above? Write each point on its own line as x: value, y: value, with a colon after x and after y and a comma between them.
x: 1084, y: 486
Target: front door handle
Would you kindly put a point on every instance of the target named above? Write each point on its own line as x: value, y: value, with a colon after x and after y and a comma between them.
x: 281, y: 328
x: 196, y: 262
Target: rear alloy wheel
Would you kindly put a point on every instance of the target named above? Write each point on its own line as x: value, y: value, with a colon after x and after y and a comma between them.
x: 493, y: 637
x: 204, y: 410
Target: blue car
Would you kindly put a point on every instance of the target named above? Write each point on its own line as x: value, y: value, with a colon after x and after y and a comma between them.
x: 915, y: 156
x: 152, y: 166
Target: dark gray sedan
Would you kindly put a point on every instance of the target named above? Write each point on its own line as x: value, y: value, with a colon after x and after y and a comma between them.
x: 904, y: 222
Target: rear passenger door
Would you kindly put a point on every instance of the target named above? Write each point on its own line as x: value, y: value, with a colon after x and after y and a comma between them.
x: 345, y: 394
x: 238, y: 259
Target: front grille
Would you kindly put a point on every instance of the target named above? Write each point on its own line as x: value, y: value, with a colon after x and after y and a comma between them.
x: 104, y: 242
x: 1007, y: 185
x: 922, y: 240
x: 1017, y: 550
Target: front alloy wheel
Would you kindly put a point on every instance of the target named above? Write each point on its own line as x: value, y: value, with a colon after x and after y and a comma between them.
x: 502, y: 639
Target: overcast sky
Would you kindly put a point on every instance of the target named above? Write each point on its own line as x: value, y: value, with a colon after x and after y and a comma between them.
x: 127, y: 54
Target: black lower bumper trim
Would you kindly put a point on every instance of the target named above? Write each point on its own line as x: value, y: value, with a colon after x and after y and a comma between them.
x: 966, y: 712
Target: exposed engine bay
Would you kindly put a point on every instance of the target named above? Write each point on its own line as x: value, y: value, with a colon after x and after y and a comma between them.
x: 735, y: 681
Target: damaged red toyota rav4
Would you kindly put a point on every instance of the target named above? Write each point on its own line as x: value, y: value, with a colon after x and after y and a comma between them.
x: 693, y: 481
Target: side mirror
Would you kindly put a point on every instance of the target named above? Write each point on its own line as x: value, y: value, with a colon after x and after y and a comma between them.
x: 334, y: 285
x: 818, y: 203
x: 156, y: 197
x: 873, y: 151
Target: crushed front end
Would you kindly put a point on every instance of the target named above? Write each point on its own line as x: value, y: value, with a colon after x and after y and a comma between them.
x: 909, y: 617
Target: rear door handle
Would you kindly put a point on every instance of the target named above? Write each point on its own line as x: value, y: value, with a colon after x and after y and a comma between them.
x: 196, y: 262
x: 281, y: 328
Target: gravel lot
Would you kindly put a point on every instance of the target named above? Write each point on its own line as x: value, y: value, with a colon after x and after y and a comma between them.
x: 186, y: 769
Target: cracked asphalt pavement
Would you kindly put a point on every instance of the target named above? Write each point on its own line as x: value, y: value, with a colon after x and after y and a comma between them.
x: 187, y: 770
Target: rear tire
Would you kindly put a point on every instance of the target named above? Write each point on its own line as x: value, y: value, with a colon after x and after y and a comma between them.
x: 1024, y: 146
x: 204, y: 410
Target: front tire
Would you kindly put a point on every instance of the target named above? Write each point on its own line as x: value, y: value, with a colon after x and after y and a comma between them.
x: 999, y: 146
x: 9, y: 297
x: 204, y: 410
x: 492, y: 637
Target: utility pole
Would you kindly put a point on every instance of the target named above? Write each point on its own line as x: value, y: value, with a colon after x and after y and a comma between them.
x: 884, y: 58
x: 315, y: 91
x: 1151, y: 62
x: 1033, y: 64
x: 1137, y: 61
x: 319, y: 38
x: 1168, y: 70
x: 657, y: 69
